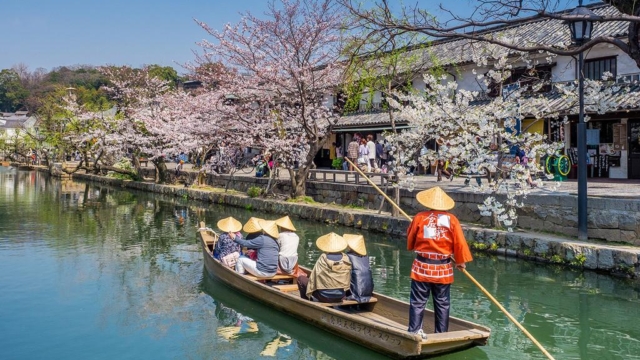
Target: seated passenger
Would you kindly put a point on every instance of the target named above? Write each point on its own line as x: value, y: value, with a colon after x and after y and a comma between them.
x: 288, y: 241
x: 331, y: 276
x: 226, y: 249
x: 262, y: 237
x: 361, y: 279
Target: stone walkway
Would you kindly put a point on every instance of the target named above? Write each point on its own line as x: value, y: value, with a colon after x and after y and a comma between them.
x: 597, y: 187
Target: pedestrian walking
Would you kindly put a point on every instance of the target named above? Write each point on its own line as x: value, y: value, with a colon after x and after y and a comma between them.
x: 352, y: 151
x: 371, y: 150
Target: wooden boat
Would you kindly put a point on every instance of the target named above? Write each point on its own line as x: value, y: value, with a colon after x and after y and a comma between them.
x: 380, y: 325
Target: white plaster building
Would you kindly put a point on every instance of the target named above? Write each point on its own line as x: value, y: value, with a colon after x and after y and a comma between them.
x: 613, y: 138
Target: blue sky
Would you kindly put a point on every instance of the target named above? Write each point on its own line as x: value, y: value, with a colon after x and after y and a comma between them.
x: 51, y: 33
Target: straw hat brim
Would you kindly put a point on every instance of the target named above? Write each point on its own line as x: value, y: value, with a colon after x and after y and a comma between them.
x: 435, y: 199
x: 331, y: 243
x: 229, y: 225
x: 356, y: 243
x: 285, y: 223
x: 270, y: 228
x: 252, y: 225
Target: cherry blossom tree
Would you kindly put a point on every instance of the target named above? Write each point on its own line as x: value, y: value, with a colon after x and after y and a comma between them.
x: 477, y: 133
x: 283, y: 66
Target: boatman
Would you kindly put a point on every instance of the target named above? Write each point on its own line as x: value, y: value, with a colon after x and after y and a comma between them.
x: 436, y: 237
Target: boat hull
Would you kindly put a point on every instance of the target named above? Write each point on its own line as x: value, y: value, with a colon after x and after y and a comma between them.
x: 359, y: 326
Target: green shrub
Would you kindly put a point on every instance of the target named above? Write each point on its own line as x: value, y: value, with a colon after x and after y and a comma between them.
x: 304, y: 199
x: 337, y: 163
x: 579, y: 260
x: 479, y: 246
x: 123, y: 164
x: 556, y: 259
x: 254, y: 191
x: 494, y: 247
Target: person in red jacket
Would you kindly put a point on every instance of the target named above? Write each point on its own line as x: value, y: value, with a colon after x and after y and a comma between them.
x: 437, y: 239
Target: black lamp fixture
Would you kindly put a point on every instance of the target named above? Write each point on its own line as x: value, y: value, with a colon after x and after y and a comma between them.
x: 580, y: 22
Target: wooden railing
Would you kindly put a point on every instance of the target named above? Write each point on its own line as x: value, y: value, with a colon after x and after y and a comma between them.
x: 341, y: 176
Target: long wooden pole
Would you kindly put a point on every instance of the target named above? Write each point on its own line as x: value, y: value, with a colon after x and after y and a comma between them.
x: 464, y: 271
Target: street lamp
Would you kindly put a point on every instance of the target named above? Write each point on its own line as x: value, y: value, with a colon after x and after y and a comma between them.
x: 581, y: 21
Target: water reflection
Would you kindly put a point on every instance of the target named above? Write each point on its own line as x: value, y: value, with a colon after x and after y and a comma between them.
x: 129, y: 260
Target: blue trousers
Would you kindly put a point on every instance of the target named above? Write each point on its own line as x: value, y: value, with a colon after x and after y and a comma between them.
x: 420, y: 292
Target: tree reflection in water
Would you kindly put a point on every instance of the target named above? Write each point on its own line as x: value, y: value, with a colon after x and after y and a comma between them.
x: 135, y: 254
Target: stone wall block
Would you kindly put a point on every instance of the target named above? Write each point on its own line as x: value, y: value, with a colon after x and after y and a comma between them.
x: 625, y: 257
x: 528, y: 222
x: 512, y: 241
x: 605, y: 259
x: 605, y: 220
x: 605, y: 234
x: 591, y: 255
x: 501, y: 239
x: 541, y: 247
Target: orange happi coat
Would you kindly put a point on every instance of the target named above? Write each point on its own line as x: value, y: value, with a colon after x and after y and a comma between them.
x: 436, y: 235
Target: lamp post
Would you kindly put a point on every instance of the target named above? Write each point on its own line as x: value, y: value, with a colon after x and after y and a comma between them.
x: 581, y: 26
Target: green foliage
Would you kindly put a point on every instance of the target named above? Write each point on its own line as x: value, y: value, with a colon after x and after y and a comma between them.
x: 302, y: 199
x: 337, y: 163
x: 13, y: 94
x: 84, y: 76
x: 354, y: 206
x: 123, y: 164
x: 527, y: 252
x: 556, y: 259
x: 248, y: 207
x: 166, y: 73
x: 479, y: 246
x: 493, y: 247
x: 254, y: 191
x: 579, y: 260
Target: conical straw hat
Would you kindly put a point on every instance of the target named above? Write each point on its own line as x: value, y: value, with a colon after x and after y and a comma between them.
x: 435, y: 199
x: 331, y: 243
x: 356, y: 243
x: 252, y: 225
x: 229, y: 225
x: 285, y: 223
x: 269, y: 227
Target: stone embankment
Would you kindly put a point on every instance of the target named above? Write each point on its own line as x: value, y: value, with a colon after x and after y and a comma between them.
x: 610, y: 219
x: 616, y: 260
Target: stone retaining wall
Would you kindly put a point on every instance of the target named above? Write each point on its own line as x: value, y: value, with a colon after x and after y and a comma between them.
x: 613, y: 220
x: 617, y: 260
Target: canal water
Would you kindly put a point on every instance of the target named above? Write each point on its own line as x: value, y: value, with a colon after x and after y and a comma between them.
x: 89, y: 271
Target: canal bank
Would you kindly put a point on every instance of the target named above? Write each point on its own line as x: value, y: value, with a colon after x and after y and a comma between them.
x: 618, y: 260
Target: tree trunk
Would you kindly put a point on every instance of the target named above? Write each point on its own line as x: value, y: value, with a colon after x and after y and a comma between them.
x: 136, y: 164
x: 299, y: 179
x: 161, y: 170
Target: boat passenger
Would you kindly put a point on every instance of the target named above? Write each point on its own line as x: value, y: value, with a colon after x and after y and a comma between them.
x: 435, y: 235
x: 288, y: 241
x: 262, y: 237
x: 330, y: 278
x: 226, y: 249
x: 361, y: 288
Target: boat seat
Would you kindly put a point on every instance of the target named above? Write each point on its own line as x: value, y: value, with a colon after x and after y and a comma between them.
x: 347, y: 302
x: 274, y: 277
x: 287, y: 287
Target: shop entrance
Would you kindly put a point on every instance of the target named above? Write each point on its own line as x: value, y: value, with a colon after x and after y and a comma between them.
x: 634, y: 149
